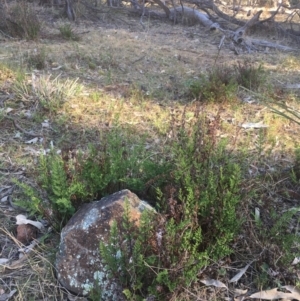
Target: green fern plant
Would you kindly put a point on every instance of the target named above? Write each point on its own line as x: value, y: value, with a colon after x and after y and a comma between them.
x: 288, y: 241
x: 127, y: 256
x: 32, y: 201
x: 73, y: 179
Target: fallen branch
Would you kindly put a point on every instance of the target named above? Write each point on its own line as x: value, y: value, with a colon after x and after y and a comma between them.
x: 239, y: 35
x: 194, y: 16
x: 263, y: 43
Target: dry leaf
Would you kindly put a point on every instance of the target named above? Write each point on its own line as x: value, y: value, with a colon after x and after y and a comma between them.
x: 5, y: 297
x: 8, y: 110
x: 239, y: 274
x: 3, y: 260
x: 4, y: 199
x: 21, y: 219
x: 32, y: 141
x: 239, y: 292
x: 252, y: 125
x: 213, y: 282
x: 45, y: 124
x: 240, y: 298
x: 239, y: 295
x: 296, y: 261
x: 274, y: 294
x: 257, y: 214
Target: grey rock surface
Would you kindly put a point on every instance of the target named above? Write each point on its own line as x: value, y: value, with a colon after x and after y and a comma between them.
x: 78, y: 261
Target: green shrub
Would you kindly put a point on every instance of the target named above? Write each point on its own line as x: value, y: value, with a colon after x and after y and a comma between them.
x: 33, y: 203
x: 128, y: 254
x: 24, y: 21
x: 37, y: 60
x: 121, y: 161
x: 196, y: 223
x: 250, y: 76
x: 296, y: 168
x: 68, y: 32
x: 279, y: 241
x: 74, y: 177
x: 218, y: 86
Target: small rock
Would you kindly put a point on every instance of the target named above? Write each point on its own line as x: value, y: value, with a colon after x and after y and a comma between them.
x: 78, y: 261
x: 26, y: 233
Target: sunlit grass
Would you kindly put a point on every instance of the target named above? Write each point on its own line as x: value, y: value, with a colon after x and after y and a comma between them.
x: 6, y: 74
x: 103, y: 109
x: 291, y: 63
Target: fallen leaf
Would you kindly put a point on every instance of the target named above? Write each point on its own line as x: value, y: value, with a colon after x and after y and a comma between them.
x: 296, y: 261
x: 21, y: 219
x: 4, y: 199
x: 3, y: 260
x: 239, y: 292
x: 239, y: 274
x: 45, y: 124
x: 32, y: 141
x: 213, y: 282
x: 5, y: 187
x: 32, y: 151
x: 5, y: 297
x: 274, y: 294
x: 252, y: 125
x: 257, y: 214
x: 240, y: 298
x: 8, y: 110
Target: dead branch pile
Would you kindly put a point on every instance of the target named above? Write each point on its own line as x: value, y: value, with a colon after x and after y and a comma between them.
x: 236, y: 28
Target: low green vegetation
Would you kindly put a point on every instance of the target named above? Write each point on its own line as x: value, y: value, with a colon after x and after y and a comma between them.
x: 68, y: 33
x: 74, y: 176
x: 50, y: 92
x: 25, y: 22
x: 206, y: 184
x: 220, y: 84
x: 195, y: 187
x: 37, y: 59
x: 196, y: 223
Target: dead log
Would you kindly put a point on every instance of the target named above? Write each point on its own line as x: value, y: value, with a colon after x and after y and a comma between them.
x: 164, y: 7
x: 262, y: 43
x: 239, y: 37
x: 240, y: 33
x: 191, y: 16
x: 208, y: 4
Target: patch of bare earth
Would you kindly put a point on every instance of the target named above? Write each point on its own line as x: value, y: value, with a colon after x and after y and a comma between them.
x: 139, y: 76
